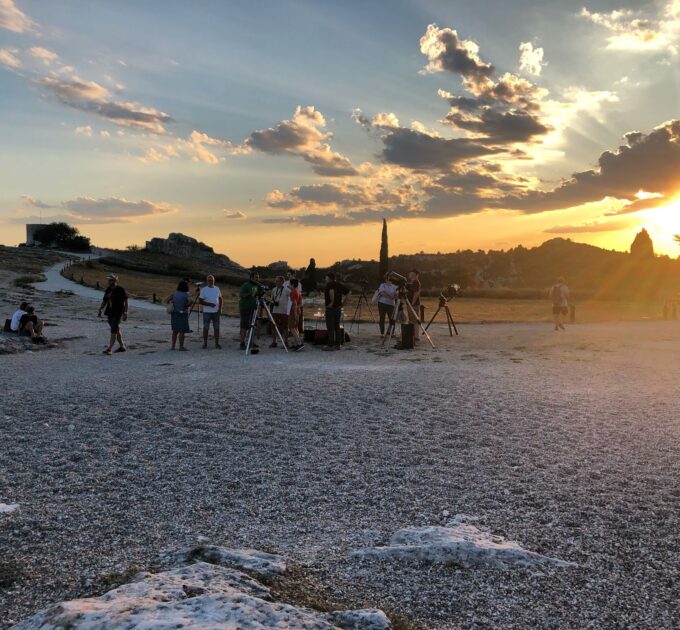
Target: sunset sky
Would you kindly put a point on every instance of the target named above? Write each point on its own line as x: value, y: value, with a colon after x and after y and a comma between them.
x: 285, y: 129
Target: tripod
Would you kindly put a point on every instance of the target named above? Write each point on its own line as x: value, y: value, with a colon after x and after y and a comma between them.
x: 402, y: 300
x: 357, y: 311
x: 443, y: 304
x: 261, y: 307
x: 198, y: 310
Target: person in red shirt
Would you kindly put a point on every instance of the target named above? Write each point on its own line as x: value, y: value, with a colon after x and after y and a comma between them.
x: 295, y: 306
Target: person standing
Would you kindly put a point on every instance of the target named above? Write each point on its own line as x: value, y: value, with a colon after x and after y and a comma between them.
x: 179, y: 318
x: 387, y: 297
x: 115, y: 307
x: 335, y: 294
x: 413, y: 288
x: 559, y: 294
x: 296, y: 301
x: 210, y: 298
x: 247, y: 305
x: 280, y: 310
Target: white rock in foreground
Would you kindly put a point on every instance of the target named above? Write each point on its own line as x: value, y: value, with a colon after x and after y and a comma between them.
x: 8, y: 508
x: 462, y: 544
x: 200, y: 596
x: 250, y: 559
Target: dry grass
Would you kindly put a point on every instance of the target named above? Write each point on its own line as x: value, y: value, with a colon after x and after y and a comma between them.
x: 144, y: 285
x: 27, y: 260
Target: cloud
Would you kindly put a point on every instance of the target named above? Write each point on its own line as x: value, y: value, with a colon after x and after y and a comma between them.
x: 588, y: 228
x: 46, y: 56
x: 27, y: 200
x: 417, y: 150
x: 386, y: 120
x: 84, y: 131
x: 305, y: 136
x: 446, y: 51
x: 93, y: 98
x: 234, y: 214
x: 648, y: 162
x: 630, y: 30
x: 500, y: 126
x: 531, y: 59
x: 87, y: 208
x: 8, y: 57
x: 13, y: 19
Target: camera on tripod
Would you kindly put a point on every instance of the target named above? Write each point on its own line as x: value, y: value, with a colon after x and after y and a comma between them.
x: 447, y: 293
x: 261, y: 288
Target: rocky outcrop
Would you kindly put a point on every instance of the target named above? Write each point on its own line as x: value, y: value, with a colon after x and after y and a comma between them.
x: 184, y: 246
x: 199, y: 596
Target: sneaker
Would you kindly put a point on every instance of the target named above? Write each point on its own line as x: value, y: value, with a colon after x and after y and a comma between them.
x: 218, y: 346
x: 183, y: 349
x: 562, y: 327
x: 273, y: 344
x: 328, y: 348
x: 205, y: 346
x: 107, y: 351
x: 242, y: 346
x: 120, y: 349
x: 298, y: 348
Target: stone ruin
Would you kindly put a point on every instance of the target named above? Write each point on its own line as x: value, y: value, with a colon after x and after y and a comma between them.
x: 183, y: 246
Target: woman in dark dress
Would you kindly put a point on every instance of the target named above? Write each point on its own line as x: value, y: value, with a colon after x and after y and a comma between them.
x: 179, y: 318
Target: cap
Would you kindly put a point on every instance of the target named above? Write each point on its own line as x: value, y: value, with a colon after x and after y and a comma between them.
x: 112, y: 276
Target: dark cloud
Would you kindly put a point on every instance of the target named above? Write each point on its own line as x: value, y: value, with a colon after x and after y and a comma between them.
x: 416, y: 150
x: 93, y: 98
x: 648, y: 162
x: 330, y: 194
x: 446, y: 51
x: 501, y: 127
x: 468, y: 181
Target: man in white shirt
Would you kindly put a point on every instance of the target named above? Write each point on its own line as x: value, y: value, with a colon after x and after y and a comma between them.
x: 16, y: 318
x: 559, y: 294
x: 210, y: 297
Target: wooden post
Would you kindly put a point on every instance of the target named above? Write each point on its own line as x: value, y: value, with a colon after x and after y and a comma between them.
x: 572, y: 313
x: 154, y: 298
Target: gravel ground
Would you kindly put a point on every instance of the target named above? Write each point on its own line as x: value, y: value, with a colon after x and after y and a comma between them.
x: 568, y: 443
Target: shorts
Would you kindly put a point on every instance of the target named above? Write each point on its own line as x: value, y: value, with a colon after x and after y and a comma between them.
x: 24, y: 333
x: 211, y: 317
x: 560, y: 310
x: 246, y: 317
x: 114, y: 323
x: 281, y: 320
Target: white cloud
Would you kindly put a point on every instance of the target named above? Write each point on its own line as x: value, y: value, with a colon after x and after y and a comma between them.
x: 234, y: 214
x: 13, y: 19
x: 114, y: 208
x: 531, y: 59
x: 84, y: 131
x: 8, y: 57
x: 632, y: 31
x: 46, y: 56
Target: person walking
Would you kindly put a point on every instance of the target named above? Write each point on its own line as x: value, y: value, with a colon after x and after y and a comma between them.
x: 179, y: 318
x: 210, y: 298
x: 335, y: 294
x: 296, y: 300
x: 386, y: 298
x: 115, y: 307
x: 559, y: 294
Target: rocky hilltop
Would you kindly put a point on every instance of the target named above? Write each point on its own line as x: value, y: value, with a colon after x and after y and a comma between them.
x: 183, y: 246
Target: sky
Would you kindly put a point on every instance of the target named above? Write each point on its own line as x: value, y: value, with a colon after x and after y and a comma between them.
x: 288, y: 129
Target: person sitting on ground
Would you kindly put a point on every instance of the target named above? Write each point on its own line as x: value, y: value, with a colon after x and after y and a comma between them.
x: 280, y: 309
x: 293, y: 318
x: 247, y: 305
x: 18, y: 314
x: 210, y: 297
x: 386, y: 298
x: 31, y: 326
x: 115, y: 307
x: 179, y: 318
x: 559, y: 294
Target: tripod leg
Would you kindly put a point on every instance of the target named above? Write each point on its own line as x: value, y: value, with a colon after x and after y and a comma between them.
x: 251, y: 330
x: 433, y: 317
x: 451, y: 322
x: 370, y: 308
x: 415, y: 315
x: 392, y: 323
x: 273, y: 323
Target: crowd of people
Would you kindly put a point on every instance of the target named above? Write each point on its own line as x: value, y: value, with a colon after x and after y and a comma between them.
x: 283, y: 301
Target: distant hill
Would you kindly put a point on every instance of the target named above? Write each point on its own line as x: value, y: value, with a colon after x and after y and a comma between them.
x: 589, y: 270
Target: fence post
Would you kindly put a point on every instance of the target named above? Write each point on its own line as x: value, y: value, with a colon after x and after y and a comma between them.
x: 154, y: 298
x: 572, y: 313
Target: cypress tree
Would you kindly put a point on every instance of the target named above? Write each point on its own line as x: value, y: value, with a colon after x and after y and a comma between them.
x: 383, y: 267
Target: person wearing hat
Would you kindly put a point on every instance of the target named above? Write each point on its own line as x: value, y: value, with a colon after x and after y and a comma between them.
x: 115, y: 307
